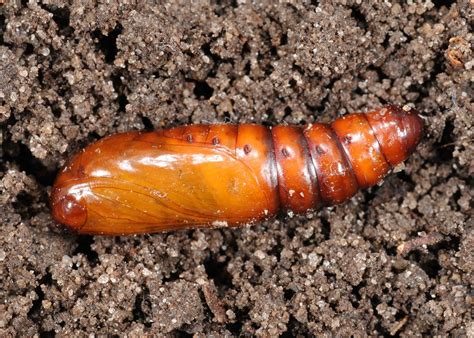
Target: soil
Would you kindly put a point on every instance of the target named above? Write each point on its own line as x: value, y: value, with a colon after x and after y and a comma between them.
x: 395, y: 260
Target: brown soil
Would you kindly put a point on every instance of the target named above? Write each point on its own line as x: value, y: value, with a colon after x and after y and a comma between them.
x: 395, y: 260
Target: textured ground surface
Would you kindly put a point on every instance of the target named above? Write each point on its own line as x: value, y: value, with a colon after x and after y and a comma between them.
x: 397, y: 259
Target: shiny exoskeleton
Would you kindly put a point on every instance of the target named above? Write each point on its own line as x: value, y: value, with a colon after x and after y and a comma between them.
x: 219, y: 175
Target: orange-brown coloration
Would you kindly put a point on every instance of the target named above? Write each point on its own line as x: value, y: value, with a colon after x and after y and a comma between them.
x: 335, y: 176
x: 298, y: 187
x: 362, y: 149
x: 217, y: 175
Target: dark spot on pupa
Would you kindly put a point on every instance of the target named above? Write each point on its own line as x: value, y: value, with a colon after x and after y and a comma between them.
x: 81, y: 171
x: 247, y: 149
x: 189, y: 138
x: 347, y: 139
x: 285, y: 152
x: 320, y: 150
x: 215, y: 140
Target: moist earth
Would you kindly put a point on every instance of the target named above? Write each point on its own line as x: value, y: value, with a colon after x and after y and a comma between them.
x: 394, y: 260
